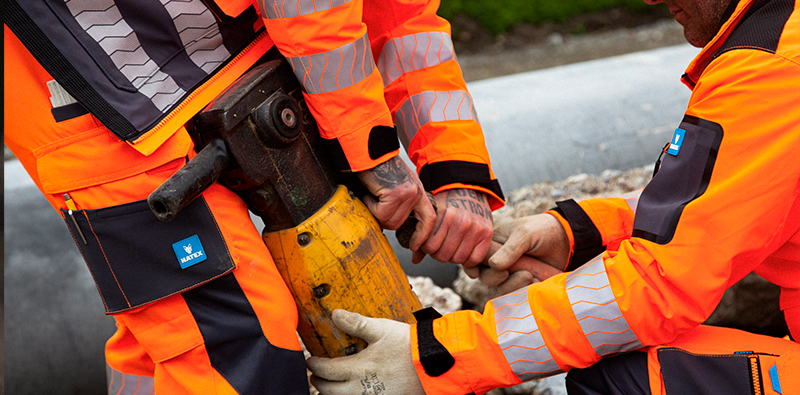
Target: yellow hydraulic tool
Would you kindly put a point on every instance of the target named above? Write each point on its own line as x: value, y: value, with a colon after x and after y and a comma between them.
x: 328, y: 247
x: 340, y: 259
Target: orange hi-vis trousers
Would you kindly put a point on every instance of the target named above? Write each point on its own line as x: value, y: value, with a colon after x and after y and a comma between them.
x: 199, y: 305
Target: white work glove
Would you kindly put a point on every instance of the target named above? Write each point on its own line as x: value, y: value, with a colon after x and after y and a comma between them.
x: 384, y: 367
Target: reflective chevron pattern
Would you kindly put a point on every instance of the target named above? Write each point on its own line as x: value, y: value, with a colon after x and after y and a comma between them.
x: 199, y: 32
x: 632, y: 198
x: 336, y: 69
x: 432, y: 106
x: 597, y: 311
x: 519, y: 337
x: 274, y: 9
x: 128, y: 384
x: 413, y: 52
x: 102, y: 20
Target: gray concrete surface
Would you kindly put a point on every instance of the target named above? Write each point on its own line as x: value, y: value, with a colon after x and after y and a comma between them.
x: 55, y: 328
x: 613, y: 113
x: 548, y: 124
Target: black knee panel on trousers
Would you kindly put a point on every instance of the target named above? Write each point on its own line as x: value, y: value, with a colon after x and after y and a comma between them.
x: 621, y: 375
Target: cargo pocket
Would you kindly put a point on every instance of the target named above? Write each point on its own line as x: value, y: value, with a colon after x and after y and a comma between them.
x: 739, y: 373
x: 135, y: 259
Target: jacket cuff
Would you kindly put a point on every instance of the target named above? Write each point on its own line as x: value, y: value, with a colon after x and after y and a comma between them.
x: 588, y: 242
x: 381, y: 145
x: 439, y: 176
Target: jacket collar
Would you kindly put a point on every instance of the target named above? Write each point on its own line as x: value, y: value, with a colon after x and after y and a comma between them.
x: 731, y: 18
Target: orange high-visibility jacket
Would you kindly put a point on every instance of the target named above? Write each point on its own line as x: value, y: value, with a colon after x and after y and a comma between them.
x: 143, y: 69
x: 725, y: 203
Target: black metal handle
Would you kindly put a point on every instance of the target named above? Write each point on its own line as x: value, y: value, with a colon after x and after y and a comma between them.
x: 189, y: 181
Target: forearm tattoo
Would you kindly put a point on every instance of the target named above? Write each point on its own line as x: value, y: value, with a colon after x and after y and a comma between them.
x: 391, y: 173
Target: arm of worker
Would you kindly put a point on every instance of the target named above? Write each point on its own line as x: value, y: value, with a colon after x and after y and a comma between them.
x: 724, y: 202
x: 331, y: 55
x: 438, y: 126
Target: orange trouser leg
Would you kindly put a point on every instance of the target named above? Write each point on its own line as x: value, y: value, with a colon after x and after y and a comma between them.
x: 234, y: 335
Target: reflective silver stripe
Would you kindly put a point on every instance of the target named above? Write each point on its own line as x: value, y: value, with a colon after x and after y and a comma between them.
x: 199, y: 32
x: 519, y: 337
x: 632, y: 198
x: 333, y: 70
x: 597, y: 311
x: 274, y: 9
x: 405, y: 54
x: 103, y: 22
x: 128, y: 384
x: 432, y: 106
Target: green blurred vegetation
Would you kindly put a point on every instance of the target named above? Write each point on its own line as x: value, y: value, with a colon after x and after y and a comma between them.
x: 498, y: 16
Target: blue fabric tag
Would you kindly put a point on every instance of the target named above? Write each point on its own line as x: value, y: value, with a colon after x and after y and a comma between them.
x: 677, y: 141
x: 189, y: 251
x: 773, y: 376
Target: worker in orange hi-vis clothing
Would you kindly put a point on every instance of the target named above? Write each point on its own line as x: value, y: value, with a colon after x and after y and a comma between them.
x: 97, y: 96
x: 644, y: 270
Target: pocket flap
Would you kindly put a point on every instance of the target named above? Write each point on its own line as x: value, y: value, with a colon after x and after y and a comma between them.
x: 98, y: 156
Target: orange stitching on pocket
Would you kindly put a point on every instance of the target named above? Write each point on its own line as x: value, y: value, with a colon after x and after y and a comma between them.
x: 106, y: 258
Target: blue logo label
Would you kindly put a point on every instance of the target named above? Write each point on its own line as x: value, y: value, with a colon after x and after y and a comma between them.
x: 773, y: 376
x: 189, y: 251
x: 677, y: 141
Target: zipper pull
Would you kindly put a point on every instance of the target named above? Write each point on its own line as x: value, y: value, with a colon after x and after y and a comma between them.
x: 71, y: 206
x: 657, y: 167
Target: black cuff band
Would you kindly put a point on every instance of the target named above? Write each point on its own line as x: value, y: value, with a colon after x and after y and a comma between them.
x: 436, y: 175
x: 433, y: 356
x: 588, y: 241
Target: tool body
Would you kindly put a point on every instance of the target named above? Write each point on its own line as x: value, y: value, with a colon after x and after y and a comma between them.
x: 326, y: 244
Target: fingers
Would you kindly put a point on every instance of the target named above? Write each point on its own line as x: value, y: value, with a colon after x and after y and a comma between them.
x: 463, y: 228
x: 398, y: 191
x: 493, y: 277
x: 507, y: 254
x: 328, y: 369
x: 472, y: 272
x: 426, y: 217
x: 516, y: 281
x: 538, y: 269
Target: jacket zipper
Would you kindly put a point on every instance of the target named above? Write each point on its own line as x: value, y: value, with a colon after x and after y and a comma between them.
x: 204, y: 86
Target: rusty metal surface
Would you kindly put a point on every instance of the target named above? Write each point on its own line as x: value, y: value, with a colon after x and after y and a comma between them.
x: 276, y: 164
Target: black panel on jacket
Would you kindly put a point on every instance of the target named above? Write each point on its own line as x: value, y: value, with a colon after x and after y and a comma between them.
x: 682, y: 178
x: 760, y: 27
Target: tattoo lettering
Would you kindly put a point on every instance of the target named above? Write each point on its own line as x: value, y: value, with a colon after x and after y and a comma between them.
x: 372, y: 385
x: 391, y: 173
x: 469, y: 200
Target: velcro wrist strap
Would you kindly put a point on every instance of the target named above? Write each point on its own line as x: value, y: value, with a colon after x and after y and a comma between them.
x: 588, y: 240
x: 433, y: 356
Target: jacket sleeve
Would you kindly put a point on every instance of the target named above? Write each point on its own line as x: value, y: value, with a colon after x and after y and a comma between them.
x: 428, y: 97
x: 368, y: 66
x: 725, y: 198
x: 327, y: 45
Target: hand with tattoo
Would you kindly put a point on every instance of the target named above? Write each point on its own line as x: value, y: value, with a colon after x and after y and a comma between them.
x: 398, y: 191
x: 463, y: 229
